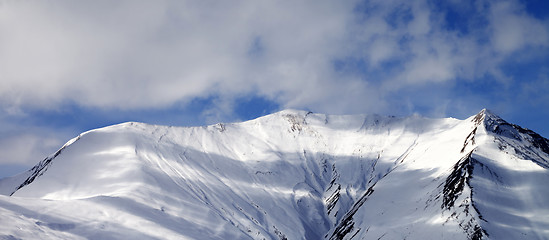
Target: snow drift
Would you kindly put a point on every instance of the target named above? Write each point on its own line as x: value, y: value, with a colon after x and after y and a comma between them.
x: 289, y: 175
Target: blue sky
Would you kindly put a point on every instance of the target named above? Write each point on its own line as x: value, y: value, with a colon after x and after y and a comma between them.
x: 70, y: 66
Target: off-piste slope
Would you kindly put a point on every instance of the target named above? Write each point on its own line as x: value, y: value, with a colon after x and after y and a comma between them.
x: 289, y: 175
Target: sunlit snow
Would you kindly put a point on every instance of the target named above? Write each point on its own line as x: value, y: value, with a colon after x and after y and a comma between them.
x: 289, y: 175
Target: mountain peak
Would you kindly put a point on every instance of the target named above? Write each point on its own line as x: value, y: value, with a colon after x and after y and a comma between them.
x: 290, y: 175
x: 506, y: 133
x: 486, y: 115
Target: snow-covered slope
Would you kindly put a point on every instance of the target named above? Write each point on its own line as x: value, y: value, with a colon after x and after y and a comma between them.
x: 289, y: 175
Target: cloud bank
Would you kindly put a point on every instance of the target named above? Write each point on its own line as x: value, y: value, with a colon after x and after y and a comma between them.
x: 145, y: 57
x: 332, y: 56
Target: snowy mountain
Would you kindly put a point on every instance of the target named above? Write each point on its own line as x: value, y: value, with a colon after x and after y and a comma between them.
x: 289, y: 175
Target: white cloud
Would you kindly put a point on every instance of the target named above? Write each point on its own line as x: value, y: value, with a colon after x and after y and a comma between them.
x: 152, y: 53
x: 514, y: 29
x: 147, y: 54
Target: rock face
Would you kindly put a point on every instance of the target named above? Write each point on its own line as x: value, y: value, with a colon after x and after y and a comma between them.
x: 289, y: 175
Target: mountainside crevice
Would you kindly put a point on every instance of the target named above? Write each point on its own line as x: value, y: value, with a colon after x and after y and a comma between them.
x: 457, y: 197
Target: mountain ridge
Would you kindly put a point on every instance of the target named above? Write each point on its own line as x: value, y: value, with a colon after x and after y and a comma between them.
x: 295, y: 175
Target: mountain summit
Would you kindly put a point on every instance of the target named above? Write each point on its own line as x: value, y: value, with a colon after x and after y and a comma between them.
x: 289, y: 175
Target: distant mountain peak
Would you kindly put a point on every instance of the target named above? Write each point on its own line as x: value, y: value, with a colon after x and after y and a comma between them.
x: 291, y: 111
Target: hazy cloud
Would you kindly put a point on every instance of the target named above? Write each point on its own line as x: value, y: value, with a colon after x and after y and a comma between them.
x: 26, y: 145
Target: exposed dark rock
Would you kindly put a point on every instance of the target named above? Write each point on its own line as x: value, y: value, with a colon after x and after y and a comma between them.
x: 40, y: 168
x: 347, y: 224
x: 453, y: 188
